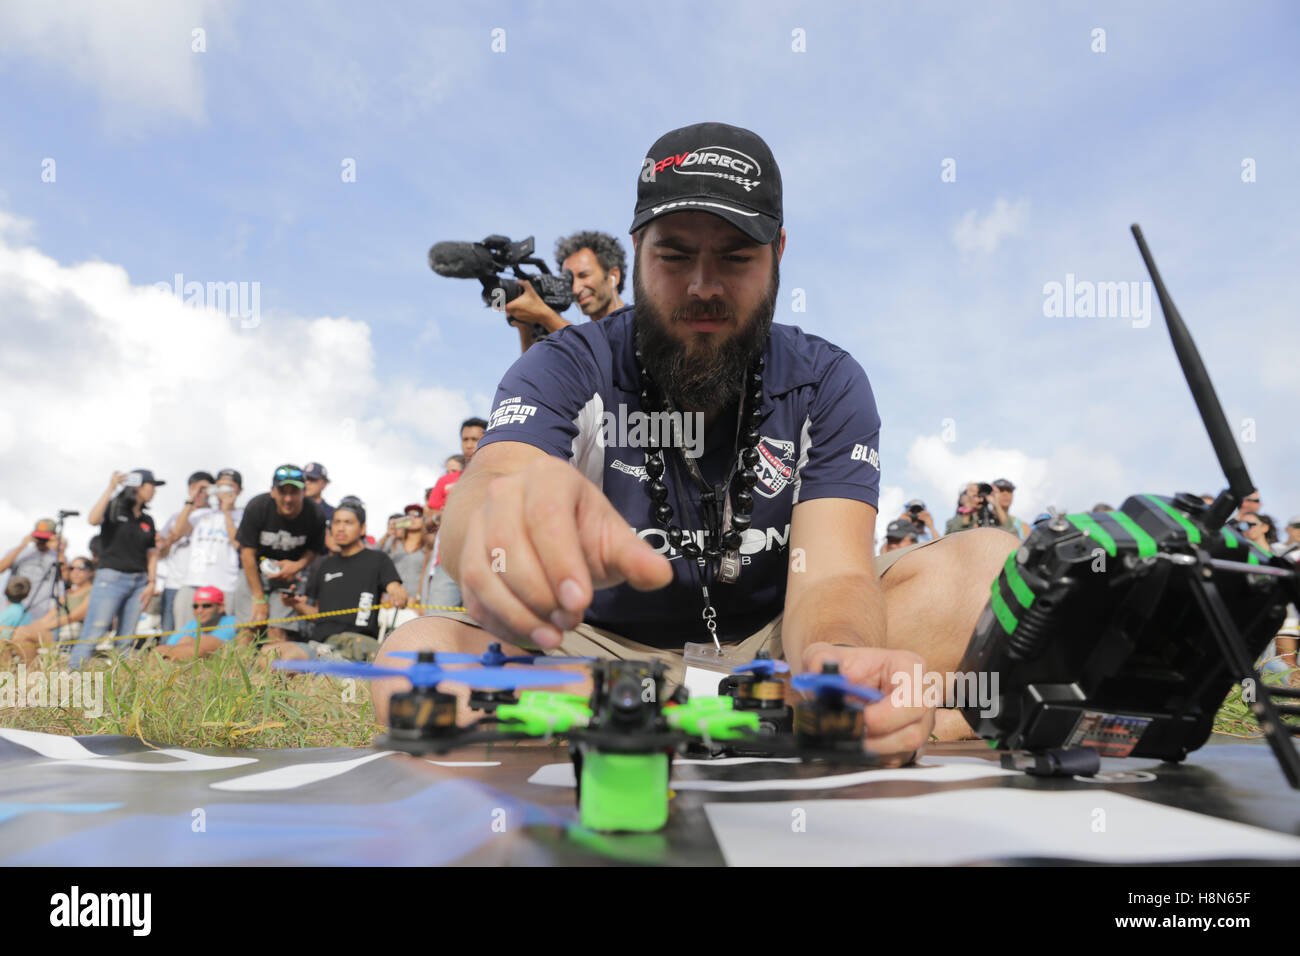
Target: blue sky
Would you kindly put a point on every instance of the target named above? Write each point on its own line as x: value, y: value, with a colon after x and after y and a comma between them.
x: 224, y: 165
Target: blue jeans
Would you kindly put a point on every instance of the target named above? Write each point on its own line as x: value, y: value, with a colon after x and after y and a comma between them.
x: 116, y: 594
x: 168, y: 617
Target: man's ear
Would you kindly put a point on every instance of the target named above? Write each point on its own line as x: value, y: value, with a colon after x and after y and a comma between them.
x: 614, y: 276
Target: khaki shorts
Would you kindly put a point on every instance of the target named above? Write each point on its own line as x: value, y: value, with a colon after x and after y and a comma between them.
x: 344, y: 646
x: 588, y: 641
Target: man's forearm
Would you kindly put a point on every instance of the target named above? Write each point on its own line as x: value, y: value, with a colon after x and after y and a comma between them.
x: 248, y: 560
x: 845, y: 609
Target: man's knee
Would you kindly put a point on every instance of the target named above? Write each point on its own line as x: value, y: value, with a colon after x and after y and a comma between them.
x: 425, y: 634
x: 973, y: 556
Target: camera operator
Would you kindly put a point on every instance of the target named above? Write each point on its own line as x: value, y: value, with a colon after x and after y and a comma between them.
x: 128, y: 563
x: 355, y: 577
x: 33, y: 559
x: 598, y: 264
x: 919, y: 516
x: 280, y: 534
x: 974, y: 509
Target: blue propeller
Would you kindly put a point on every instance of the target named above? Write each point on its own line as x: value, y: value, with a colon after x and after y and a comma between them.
x: 763, y: 667
x: 427, y: 675
x: 494, y: 658
x: 835, y: 683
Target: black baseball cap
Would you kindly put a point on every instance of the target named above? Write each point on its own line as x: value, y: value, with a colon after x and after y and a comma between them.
x: 141, y: 476
x: 200, y: 476
x: 715, y: 168
x: 1004, y: 485
x: 315, y: 469
x: 232, y: 474
x: 288, y: 475
x: 900, y: 529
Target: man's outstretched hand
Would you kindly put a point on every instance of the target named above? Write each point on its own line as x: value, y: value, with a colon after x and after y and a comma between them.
x: 540, y: 542
x: 897, y: 734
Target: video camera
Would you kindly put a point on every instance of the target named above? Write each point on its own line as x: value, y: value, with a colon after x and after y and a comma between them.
x: 487, y: 259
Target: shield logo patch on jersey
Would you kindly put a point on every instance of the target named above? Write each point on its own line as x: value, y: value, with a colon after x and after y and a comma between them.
x: 775, y: 466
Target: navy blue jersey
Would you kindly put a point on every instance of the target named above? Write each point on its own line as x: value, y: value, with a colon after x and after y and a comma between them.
x: 575, y: 395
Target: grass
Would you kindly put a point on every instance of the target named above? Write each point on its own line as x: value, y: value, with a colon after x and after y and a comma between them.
x: 230, y: 699
x: 1235, y: 719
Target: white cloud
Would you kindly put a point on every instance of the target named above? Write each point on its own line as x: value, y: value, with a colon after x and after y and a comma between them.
x: 14, y: 227
x: 133, y: 54
x: 975, y: 235
x: 101, y: 375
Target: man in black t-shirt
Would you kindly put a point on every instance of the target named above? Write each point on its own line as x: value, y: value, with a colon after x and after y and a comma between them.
x: 281, y: 532
x: 357, y: 577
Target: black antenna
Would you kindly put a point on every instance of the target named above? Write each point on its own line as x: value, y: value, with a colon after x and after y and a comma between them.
x: 1207, y: 402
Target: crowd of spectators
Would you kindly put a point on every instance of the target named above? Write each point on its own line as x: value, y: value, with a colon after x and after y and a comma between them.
x: 218, y: 570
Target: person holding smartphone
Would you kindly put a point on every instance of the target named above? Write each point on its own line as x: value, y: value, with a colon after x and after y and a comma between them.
x: 128, y: 561
x: 174, y: 547
x: 213, y: 551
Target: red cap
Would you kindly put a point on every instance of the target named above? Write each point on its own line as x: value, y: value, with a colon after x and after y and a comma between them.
x: 44, y: 529
x: 209, y: 596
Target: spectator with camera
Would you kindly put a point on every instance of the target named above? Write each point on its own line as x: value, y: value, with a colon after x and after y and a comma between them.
x: 127, y: 578
x: 916, y: 514
x: 34, y: 559
x: 978, y: 507
x: 280, y: 534
x: 174, y: 547
x: 212, y: 530
x: 356, y: 578
x: 599, y: 268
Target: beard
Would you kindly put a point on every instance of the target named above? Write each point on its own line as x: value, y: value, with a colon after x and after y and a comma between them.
x: 702, y: 374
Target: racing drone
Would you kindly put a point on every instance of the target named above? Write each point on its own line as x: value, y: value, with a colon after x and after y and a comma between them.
x: 1122, y: 632
x: 621, y: 758
x: 623, y: 737
x: 423, y: 719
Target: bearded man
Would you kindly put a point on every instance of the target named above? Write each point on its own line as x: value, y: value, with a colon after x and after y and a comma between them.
x: 572, y: 537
